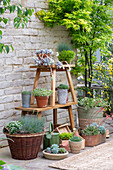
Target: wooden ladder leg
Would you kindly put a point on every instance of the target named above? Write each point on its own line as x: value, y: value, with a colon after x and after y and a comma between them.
x: 23, y: 113
x: 35, y: 84
x: 71, y: 85
x: 53, y: 86
x: 71, y: 117
x: 39, y: 115
x: 54, y: 118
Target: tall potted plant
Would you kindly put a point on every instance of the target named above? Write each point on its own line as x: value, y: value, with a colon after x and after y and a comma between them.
x: 62, y: 93
x: 41, y: 96
x: 90, y: 110
x: 26, y: 137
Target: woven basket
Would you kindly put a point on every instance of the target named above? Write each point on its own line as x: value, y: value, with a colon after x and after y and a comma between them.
x: 25, y: 146
x: 84, y: 122
x: 75, y: 147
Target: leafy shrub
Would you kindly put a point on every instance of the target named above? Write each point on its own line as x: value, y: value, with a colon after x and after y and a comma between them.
x: 41, y: 92
x: 91, y: 131
x: 63, y: 86
x: 64, y: 46
x: 76, y: 139
x: 66, y: 136
x: 26, y: 92
x: 66, y: 56
x: 88, y: 103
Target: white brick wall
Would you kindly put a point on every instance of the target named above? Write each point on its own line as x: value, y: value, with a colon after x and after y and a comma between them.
x: 26, y: 42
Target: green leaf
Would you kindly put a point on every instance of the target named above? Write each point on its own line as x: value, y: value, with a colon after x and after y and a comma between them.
x: 7, y: 48
x: 2, y: 162
x: 12, y: 47
x: 13, y: 8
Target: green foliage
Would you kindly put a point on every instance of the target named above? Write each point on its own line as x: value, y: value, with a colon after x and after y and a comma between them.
x: 63, y: 86
x: 41, y: 92
x: 89, y: 24
x: 26, y: 92
x: 91, y: 131
x: 76, y: 139
x: 62, y: 150
x: 22, y: 17
x: 66, y: 136
x: 1, y: 163
x: 64, y: 46
x: 66, y: 56
x: 88, y: 103
x: 32, y: 124
x: 27, y: 124
x: 101, y: 129
x: 13, y: 127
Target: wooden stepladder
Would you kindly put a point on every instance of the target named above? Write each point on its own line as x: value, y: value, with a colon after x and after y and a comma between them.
x: 53, y: 105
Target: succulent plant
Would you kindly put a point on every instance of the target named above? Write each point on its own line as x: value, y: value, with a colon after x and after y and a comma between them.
x: 54, y: 146
x: 62, y: 150
x: 54, y: 150
x: 101, y: 129
x: 48, y: 150
x: 63, y: 86
x: 76, y: 139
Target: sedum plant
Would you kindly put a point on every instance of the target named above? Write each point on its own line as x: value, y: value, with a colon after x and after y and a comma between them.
x: 76, y: 139
x: 55, y: 149
x: 66, y: 136
x: 91, y: 131
x: 13, y: 127
x: 41, y: 92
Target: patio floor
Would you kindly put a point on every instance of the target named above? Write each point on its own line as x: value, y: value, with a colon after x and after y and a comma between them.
x: 40, y: 163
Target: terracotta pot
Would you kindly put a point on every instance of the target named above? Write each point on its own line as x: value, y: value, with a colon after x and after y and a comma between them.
x: 41, y: 101
x: 91, y: 140
x: 65, y: 144
x: 102, y: 138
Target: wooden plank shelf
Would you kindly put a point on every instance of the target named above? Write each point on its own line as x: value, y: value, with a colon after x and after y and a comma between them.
x: 35, y: 108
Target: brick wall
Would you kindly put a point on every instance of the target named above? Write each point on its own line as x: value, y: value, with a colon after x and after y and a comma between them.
x: 13, y: 65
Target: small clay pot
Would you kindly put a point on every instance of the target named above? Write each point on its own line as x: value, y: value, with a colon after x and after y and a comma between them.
x: 41, y: 101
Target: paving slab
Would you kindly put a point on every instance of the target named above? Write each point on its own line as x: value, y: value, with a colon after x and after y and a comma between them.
x: 40, y: 163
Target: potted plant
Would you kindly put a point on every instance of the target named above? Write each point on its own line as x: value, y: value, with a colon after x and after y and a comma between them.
x: 66, y: 56
x: 26, y: 99
x: 64, y: 139
x: 90, y: 110
x: 54, y: 152
x: 50, y: 137
x: 26, y: 137
x: 91, y: 135
x: 41, y: 96
x: 62, y: 93
x: 26, y: 95
x: 75, y: 144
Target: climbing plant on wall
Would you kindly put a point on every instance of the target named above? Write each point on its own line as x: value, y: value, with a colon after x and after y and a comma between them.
x: 89, y: 24
x: 21, y: 19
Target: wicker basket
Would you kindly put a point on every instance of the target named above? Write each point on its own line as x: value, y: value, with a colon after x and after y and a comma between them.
x: 25, y: 146
x: 84, y: 122
x: 75, y: 147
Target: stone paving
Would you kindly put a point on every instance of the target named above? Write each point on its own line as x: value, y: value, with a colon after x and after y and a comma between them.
x: 41, y: 163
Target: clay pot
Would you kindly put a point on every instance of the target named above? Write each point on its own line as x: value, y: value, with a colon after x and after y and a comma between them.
x: 102, y: 138
x: 91, y: 140
x: 65, y: 144
x: 41, y: 101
